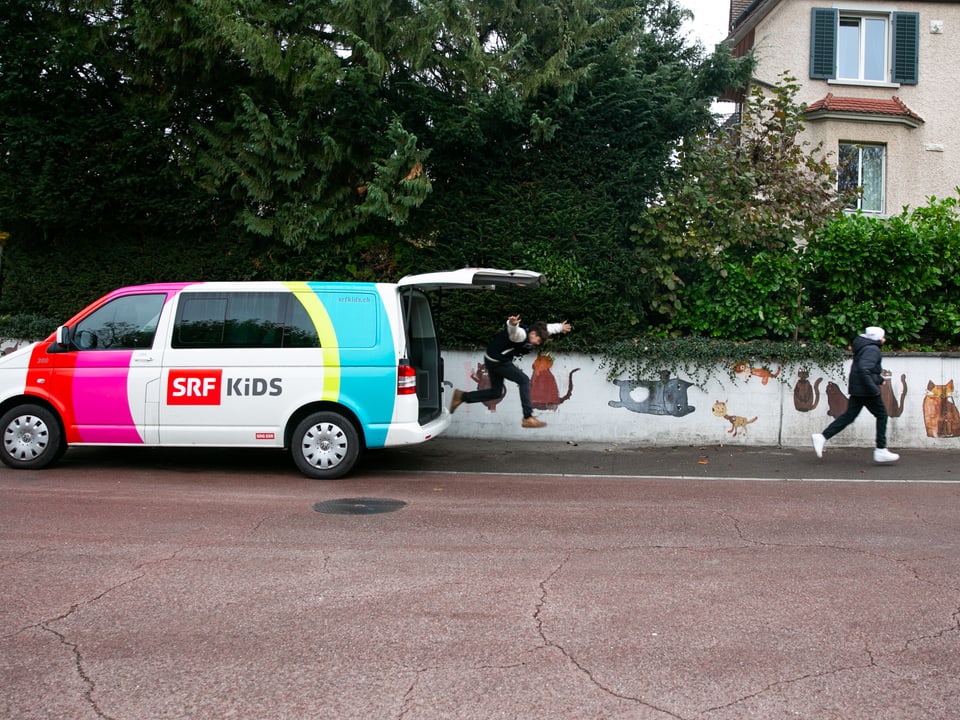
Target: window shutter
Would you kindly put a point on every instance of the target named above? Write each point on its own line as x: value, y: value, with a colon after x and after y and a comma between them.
x: 906, y: 47
x: 823, y: 43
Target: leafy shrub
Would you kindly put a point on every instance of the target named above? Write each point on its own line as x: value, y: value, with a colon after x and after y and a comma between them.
x: 899, y: 273
x: 26, y: 326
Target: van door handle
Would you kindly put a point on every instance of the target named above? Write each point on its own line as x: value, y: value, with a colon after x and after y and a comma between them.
x: 143, y: 359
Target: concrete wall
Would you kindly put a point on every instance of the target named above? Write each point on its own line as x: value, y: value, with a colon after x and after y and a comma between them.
x: 582, y: 405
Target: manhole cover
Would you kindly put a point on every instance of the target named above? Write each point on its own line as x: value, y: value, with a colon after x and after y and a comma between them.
x: 358, y: 506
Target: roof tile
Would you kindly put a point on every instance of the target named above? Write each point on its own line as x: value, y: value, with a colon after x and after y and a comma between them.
x: 863, y: 106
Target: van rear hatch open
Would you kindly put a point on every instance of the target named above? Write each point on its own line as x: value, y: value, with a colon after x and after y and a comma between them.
x: 474, y: 278
x: 422, y: 354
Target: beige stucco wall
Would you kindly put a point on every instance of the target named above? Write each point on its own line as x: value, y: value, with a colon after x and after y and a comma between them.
x: 921, y: 161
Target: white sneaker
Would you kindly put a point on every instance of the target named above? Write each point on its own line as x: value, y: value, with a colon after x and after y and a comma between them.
x: 818, y: 442
x: 882, y: 455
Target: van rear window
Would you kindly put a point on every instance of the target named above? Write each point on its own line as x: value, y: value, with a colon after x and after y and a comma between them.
x: 243, y: 320
x: 353, y: 316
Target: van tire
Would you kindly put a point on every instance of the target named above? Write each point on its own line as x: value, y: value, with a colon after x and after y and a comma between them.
x: 31, y: 438
x: 325, y: 445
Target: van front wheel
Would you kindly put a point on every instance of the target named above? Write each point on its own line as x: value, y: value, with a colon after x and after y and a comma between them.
x: 325, y: 446
x: 31, y: 438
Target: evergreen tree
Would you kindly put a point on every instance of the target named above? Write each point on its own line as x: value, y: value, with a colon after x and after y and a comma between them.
x: 328, y: 139
x: 553, y: 175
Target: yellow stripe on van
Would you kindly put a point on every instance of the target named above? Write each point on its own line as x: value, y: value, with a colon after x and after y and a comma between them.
x: 328, y: 338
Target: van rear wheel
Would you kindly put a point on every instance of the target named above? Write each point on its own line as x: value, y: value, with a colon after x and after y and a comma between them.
x: 325, y: 445
x: 31, y: 438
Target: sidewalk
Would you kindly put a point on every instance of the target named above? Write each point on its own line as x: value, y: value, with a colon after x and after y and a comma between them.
x: 703, y: 462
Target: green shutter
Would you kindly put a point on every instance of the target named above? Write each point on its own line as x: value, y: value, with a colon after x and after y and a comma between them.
x: 823, y: 43
x: 906, y: 47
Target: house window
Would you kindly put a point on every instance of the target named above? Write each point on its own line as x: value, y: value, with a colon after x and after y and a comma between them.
x: 862, y: 48
x: 859, y: 47
x: 862, y: 169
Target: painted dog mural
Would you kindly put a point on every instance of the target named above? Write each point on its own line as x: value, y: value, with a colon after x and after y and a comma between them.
x: 738, y: 423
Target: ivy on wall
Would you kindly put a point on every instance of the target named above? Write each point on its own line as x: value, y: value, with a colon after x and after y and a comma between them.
x: 703, y: 359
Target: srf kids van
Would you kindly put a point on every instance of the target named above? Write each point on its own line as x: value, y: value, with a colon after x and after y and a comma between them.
x: 325, y: 369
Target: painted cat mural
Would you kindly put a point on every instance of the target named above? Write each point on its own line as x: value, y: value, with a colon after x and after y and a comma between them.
x: 482, y: 378
x: 544, y: 392
x: 836, y: 401
x: 806, y: 397
x: 666, y: 396
x: 940, y: 415
x: 894, y: 409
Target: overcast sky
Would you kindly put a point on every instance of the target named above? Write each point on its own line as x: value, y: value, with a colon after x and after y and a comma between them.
x: 710, y: 26
x: 710, y: 22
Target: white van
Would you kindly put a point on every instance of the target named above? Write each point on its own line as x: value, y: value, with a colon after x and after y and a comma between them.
x: 325, y: 369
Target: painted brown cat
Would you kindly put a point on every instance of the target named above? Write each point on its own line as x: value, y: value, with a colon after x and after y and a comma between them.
x: 806, y: 397
x: 765, y: 375
x: 837, y: 402
x: 482, y: 378
x: 544, y: 392
x: 886, y: 392
x: 940, y: 416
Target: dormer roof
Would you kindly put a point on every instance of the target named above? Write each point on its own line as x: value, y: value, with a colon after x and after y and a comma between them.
x: 837, y: 107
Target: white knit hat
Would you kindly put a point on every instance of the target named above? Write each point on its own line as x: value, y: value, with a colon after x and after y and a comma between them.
x: 874, y: 333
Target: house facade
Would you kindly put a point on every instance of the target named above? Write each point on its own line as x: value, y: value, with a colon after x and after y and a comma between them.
x: 881, y: 81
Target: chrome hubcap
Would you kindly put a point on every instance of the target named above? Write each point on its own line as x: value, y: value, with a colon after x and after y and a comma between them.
x: 324, y: 445
x: 26, y: 437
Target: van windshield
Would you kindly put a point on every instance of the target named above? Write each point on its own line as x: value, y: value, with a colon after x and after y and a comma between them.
x: 124, y: 323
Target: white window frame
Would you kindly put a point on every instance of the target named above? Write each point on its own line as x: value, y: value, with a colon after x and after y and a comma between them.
x: 864, y: 46
x: 879, y: 207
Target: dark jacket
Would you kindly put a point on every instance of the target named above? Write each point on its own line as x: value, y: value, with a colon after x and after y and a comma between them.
x: 504, y: 349
x: 866, y: 374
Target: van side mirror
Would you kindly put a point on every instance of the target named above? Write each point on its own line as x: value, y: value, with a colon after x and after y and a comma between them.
x: 63, y: 336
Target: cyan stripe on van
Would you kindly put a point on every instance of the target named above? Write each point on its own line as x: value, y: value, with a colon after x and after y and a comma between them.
x: 354, y: 330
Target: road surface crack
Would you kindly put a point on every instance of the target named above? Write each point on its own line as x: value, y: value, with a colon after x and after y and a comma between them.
x: 89, y: 685
x: 791, y: 681
x: 550, y: 643
x: 75, y: 651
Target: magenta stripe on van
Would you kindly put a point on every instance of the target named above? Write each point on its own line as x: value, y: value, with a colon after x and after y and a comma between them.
x: 100, y: 405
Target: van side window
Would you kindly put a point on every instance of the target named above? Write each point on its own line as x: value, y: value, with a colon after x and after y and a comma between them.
x: 242, y: 320
x: 200, y: 321
x: 125, y: 323
x: 299, y: 331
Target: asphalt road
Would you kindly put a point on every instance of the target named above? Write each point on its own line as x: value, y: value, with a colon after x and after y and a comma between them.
x: 482, y: 580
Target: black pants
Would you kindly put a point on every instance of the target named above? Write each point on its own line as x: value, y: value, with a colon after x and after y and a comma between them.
x: 873, y: 403
x: 498, y: 373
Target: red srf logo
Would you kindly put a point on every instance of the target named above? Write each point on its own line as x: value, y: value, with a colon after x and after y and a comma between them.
x: 194, y: 387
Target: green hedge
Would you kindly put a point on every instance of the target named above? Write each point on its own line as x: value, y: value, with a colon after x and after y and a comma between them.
x: 902, y: 273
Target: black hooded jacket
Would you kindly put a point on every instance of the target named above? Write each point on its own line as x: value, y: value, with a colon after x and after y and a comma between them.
x: 504, y: 349
x: 866, y: 375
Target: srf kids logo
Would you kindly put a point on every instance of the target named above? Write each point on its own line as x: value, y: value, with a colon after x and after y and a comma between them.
x: 194, y: 387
